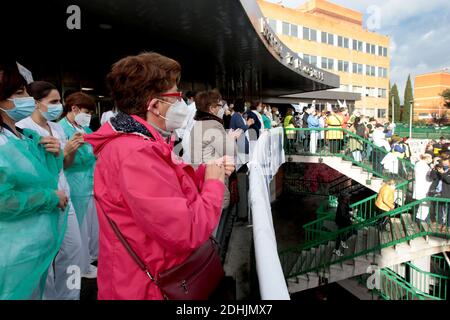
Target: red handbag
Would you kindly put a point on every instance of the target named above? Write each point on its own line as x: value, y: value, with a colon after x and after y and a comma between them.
x: 194, y: 279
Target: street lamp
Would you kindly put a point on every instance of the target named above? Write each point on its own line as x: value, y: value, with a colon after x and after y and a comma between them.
x: 411, y: 102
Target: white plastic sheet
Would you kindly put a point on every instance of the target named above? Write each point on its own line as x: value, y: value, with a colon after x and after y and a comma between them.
x: 267, y: 157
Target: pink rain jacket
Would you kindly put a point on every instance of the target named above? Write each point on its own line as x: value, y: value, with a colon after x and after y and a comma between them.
x: 164, y: 210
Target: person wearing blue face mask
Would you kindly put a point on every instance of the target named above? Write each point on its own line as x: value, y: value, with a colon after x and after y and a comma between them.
x: 32, y: 207
x: 48, y: 109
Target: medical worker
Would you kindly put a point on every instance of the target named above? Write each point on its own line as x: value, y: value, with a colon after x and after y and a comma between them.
x: 63, y: 281
x: 32, y: 208
x: 79, y: 172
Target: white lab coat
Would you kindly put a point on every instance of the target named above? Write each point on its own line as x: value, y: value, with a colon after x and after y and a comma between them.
x: 422, y: 180
x: 422, y: 184
x: 390, y: 163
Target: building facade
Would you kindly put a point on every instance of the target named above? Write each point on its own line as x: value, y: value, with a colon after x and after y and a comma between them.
x: 428, y: 104
x: 333, y: 38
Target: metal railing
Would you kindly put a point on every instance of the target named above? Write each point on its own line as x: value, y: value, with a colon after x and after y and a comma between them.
x: 425, y: 285
x: 398, y: 233
x: 342, y: 143
x: 362, y: 210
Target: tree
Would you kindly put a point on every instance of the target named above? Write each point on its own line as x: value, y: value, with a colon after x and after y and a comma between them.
x: 446, y: 95
x: 394, y: 93
x: 408, y: 98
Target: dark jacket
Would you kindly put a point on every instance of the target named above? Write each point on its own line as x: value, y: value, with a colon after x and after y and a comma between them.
x: 257, y: 125
x: 343, y: 216
x: 445, y: 177
x: 238, y: 122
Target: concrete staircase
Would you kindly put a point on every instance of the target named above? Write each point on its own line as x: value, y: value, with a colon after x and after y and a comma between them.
x: 318, y: 266
x: 345, y: 167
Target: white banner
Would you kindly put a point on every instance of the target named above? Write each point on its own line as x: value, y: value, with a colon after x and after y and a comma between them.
x: 268, y: 155
x: 418, y: 147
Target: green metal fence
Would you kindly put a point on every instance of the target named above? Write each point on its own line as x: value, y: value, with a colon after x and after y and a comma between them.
x: 426, y: 285
x: 408, y: 229
x: 347, y: 145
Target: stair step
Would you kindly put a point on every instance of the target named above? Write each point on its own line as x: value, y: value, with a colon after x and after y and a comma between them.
x: 386, y: 235
x: 373, y: 242
x: 410, y: 226
x: 425, y: 226
x: 297, y: 267
x: 310, y: 254
x: 414, y: 225
x: 360, y: 244
x: 397, y: 229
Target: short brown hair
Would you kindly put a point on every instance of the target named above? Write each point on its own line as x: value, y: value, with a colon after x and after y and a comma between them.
x: 79, y: 99
x: 204, y: 99
x: 135, y: 79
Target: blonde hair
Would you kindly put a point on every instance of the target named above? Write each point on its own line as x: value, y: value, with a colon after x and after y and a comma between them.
x: 391, y: 182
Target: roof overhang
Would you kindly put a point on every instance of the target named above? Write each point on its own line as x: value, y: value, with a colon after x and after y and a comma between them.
x: 224, y: 44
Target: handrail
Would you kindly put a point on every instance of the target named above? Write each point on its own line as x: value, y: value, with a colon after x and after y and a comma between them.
x: 296, y: 250
x: 393, y: 280
x: 366, y: 206
x: 345, y: 143
x: 363, y: 210
x: 423, y: 278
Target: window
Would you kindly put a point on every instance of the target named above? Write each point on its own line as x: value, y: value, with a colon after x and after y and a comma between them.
x: 370, y: 71
x: 294, y: 30
x: 370, y: 92
x: 309, y: 34
x: 346, y: 43
x: 327, y: 38
x: 357, y: 68
x: 382, y: 93
x: 381, y: 113
x: 310, y: 59
x: 327, y: 63
x: 357, y: 89
x: 273, y: 24
x: 285, y: 29
x: 343, y: 42
x: 382, y: 72
x: 306, y: 33
x: 370, y: 48
x: 344, y: 88
x: 343, y: 66
x: 313, y: 35
x: 382, y: 51
x: 357, y: 45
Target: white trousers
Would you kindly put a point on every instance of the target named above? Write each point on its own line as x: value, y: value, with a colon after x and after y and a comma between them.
x: 64, y: 274
x: 313, y: 142
x: 89, y: 237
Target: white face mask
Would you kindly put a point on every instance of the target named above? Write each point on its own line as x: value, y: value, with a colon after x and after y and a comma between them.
x: 176, y: 116
x: 83, y: 119
x: 221, y: 113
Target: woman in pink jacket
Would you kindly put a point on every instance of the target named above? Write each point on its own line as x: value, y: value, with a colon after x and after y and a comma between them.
x: 163, y: 207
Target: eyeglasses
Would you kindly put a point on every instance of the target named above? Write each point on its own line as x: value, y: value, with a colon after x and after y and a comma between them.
x: 178, y: 95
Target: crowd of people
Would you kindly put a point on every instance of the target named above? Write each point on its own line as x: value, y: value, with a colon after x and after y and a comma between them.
x: 74, y: 202
x: 337, y: 132
x: 71, y: 198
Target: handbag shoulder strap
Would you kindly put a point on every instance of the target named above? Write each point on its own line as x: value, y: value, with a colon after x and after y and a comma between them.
x: 130, y: 250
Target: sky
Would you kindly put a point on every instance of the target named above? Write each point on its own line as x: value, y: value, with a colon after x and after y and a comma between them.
x: 419, y: 32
